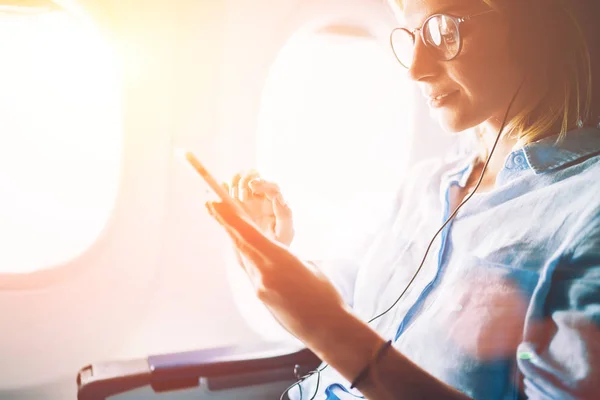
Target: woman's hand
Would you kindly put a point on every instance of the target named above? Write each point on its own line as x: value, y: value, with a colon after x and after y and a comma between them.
x: 299, y: 296
x: 306, y: 304
x: 268, y: 209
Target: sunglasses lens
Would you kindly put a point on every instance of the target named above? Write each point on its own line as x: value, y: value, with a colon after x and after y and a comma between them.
x: 442, y: 37
x: 403, y: 46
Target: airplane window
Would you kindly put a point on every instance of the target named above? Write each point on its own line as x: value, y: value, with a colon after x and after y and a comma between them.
x: 335, y: 130
x: 60, y: 137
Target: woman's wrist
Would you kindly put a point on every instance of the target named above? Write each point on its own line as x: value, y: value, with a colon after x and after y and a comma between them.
x: 349, y: 345
x: 346, y: 343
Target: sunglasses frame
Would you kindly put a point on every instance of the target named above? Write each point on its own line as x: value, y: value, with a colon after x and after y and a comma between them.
x: 457, y: 20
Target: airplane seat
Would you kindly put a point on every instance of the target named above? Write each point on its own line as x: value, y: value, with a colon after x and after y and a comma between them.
x: 249, y: 372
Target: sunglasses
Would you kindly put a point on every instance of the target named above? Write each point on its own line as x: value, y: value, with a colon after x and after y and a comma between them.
x: 440, y: 33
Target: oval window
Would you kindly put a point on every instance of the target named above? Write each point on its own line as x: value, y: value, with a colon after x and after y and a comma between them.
x: 60, y: 137
x: 335, y: 130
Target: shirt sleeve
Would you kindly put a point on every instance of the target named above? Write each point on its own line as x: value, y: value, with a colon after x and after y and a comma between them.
x: 559, y: 357
x: 342, y: 272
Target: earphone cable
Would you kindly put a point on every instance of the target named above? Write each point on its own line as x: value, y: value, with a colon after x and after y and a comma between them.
x: 467, y: 198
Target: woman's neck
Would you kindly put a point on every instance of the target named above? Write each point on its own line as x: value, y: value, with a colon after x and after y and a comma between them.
x: 505, y: 146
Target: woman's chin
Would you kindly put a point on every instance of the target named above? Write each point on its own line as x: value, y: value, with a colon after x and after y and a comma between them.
x: 451, y: 121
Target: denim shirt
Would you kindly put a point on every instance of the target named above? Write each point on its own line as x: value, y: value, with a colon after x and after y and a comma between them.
x: 507, y: 304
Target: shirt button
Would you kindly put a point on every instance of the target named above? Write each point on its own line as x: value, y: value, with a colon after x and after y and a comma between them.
x: 519, y: 159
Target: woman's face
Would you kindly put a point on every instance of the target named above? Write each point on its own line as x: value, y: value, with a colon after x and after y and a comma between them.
x: 480, y: 81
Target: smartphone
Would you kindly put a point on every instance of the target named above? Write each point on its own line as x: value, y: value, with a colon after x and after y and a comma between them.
x: 191, y: 159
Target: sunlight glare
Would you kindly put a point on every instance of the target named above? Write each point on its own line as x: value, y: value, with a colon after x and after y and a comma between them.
x: 334, y: 130
x: 60, y: 138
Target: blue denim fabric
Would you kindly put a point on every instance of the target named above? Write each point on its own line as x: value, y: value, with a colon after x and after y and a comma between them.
x: 507, y: 304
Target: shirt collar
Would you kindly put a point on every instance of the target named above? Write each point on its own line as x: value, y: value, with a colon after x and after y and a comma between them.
x: 541, y: 156
x: 549, y: 154
x: 460, y: 172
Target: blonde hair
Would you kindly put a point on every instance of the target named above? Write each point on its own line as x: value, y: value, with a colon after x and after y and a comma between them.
x: 552, y: 45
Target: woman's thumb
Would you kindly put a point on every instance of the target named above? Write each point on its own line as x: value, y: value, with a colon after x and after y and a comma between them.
x: 284, y: 228
x: 281, y: 209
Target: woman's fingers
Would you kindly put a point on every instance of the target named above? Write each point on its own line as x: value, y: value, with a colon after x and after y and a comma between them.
x: 243, y: 189
x: 272, y: 191
x: 284, y: 220
x: 233, y: 186
x: 261, y: 186
x: 265, y: 204
x: 284, y: 228
x: 241, y: 245
x: 248, y: 238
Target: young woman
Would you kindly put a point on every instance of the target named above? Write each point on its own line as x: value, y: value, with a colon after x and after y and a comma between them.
x: 503, y: 300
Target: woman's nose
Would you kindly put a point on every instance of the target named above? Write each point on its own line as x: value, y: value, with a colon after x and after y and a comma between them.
x: 423, y: 65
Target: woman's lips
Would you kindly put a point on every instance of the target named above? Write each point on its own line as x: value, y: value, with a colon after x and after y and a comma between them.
x: 442, y: 99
